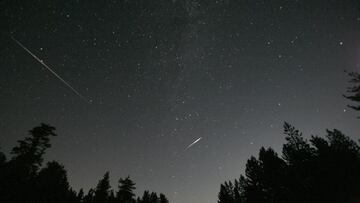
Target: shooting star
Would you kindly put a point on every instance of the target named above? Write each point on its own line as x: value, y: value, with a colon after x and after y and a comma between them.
x: 192, y: 144
x: 51, y: 70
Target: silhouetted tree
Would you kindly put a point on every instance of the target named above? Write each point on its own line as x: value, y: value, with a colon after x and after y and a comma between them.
x: 263, y: 178
x: 125, y: 193
x: 145, y: 198
x: 297, y: 150
x: 89, y: 197
x: 299, y: 155
x: 72, y: 197
x: 237, y: 191
x: 22, y: 178
x: 338, y: 163
x: 226, y: 194
x: 19, y: 173
x: 112, y: 198
x: 321, y: 170
x: 2, y: 159
x: 354, y: 91
x: 29, y: 153
x: 52, y: 184
x: 231, y: 193
x: 153, y: 198
x: 163, y: 198
x: 80, y: 195
x: 102, y: 191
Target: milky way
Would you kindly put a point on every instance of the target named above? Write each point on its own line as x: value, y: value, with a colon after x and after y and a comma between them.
x: 163, y: 73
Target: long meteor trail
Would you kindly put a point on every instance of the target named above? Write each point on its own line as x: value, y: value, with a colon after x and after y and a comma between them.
x: 192, y: 144
x: 51, y: 70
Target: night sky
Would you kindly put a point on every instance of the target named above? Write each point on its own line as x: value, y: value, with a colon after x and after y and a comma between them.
x: 158, y: 75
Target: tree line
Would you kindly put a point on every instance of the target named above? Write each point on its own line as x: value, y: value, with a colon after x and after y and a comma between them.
x: 24, y: 179
x: 318, y: 170
x: 315, y: 170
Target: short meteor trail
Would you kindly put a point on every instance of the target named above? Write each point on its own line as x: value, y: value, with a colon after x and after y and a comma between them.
x: 192, y: 144
x: 51, y: 70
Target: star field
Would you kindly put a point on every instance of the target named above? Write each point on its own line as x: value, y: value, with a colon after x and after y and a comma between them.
x: 160, y: 74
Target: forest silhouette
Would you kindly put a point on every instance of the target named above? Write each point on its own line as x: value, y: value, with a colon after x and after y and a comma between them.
x: 23, y: 179
x: 316, y: 170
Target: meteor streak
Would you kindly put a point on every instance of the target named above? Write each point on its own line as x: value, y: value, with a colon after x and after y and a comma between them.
x: 192, y: 144
x: 51, y: 70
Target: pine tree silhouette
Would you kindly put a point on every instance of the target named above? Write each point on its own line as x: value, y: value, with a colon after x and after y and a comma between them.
x: 80, y: 195
x: 89, y: 197
x: 163, y: 199
x: 102, y: 191
x: 22, y: 178
x: 52, y: 184
x: 318, y: 170
x: 125, y: 193
x: 19, y: 173
x: 145, y: 198
x: 153, y: 198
